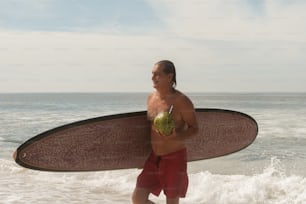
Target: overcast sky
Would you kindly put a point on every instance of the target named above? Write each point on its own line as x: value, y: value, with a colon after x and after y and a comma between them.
x: 111, y: 45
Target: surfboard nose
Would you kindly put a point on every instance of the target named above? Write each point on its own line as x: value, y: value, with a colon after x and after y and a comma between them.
x: 15, y: 155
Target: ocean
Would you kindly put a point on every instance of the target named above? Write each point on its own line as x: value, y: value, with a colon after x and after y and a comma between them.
x: 270, y: 171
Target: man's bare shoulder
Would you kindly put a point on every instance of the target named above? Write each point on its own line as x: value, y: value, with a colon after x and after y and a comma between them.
x: 183, y: 100
x: 150, y: 96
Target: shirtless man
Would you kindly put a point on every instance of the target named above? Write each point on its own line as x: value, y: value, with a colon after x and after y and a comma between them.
x: 166, y: 167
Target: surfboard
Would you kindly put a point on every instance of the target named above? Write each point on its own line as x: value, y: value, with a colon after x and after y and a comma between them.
x: 122, y: 141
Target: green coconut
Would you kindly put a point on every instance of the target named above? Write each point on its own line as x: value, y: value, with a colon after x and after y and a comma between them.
x: 164, y: 123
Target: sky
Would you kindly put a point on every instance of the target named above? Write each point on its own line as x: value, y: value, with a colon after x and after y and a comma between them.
x: 112, y: 45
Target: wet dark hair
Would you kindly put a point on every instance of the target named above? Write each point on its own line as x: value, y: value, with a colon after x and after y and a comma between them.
x: 169, y: 68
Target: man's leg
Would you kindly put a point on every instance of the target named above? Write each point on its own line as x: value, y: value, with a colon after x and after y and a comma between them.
x: 141, y: 196
x: 173, y: 200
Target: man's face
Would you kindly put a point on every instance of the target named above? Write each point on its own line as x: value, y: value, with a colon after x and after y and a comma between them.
x: 159, y: 78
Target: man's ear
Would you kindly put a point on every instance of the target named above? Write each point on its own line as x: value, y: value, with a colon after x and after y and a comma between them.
x: 170, y: 76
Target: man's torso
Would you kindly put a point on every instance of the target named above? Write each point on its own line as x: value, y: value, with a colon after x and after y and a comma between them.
x: 157, y: 105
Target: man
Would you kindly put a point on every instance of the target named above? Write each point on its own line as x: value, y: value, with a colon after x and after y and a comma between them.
x: 166, y: 167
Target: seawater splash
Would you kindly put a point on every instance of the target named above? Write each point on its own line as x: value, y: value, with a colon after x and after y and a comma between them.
x: 272, y: 186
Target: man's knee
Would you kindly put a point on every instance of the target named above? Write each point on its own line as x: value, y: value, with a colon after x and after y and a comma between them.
x: 140, y: 196
x: 136, y: 199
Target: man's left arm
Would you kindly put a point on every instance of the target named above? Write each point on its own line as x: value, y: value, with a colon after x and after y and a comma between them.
x: 189, y: 117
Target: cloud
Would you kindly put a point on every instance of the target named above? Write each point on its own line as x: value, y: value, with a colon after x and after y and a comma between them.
x: 77, y: 15
x: 70, y: 61
x: 216, y: 46
x: 234, y: 19
x: 54, y: 61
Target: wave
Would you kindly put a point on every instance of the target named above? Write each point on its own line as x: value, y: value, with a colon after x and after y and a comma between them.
x: 271, y: 186
x: 11, y: 141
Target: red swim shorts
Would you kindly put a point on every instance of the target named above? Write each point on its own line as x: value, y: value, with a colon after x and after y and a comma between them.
x: 167, y: 173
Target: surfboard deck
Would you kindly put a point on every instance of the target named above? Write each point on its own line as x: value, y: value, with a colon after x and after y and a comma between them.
x: 122, y: 141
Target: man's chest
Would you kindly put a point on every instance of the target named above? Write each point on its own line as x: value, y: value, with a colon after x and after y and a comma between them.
x: 157, y: 106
